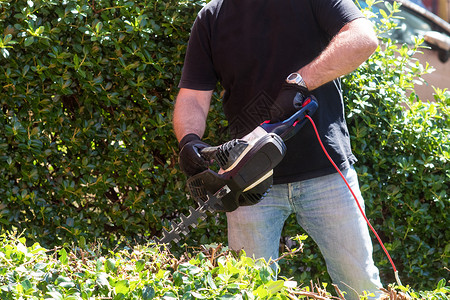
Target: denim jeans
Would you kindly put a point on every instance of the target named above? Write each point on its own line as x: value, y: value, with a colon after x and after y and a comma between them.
x: 327, y: 211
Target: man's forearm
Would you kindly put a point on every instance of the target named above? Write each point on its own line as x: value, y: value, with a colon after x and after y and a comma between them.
x: 190, y: 113
x: 354, y: 43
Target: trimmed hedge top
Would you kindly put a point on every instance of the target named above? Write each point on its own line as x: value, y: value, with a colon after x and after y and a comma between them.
x: 146, y: 272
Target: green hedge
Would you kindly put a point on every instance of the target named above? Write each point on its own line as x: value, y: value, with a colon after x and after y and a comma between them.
x: 404, y: 160
x: 87, y: 150
x: 86, y: 142
x: 146, y: 272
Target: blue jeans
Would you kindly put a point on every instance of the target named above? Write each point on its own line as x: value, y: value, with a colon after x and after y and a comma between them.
x: 327, y: 211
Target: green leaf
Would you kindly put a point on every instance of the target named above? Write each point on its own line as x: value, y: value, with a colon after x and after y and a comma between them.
x: 82, y: 73
x: 197, y: 295
x: 169, y: 296
x: 441, y: 284
x: 189, y: 269
x: 232, y: 297
x: 55, y: 295
x: 98, y: 265
x: 389, y: 6
x: 102, y: 279
x: 110, y: 265
x: 210, y: 281
x: 7, y: 38
x: 67, y: 284
x: 261, y: 292
x: 98, y: 27
x: 28, y: 41
x: 265, y: 274
x: 76, y: 61
x: 383, y: 13
x: 140, y: 264
x: 63, y: 256
x: 82, y: 242
x: 5, y: 53
x: 26, y: 284
x: 40, y: 30
x: 148, y: 292
x: 274, y: 287
x: 122, y: 287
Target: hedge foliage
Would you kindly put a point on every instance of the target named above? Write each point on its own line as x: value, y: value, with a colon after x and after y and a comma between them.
x: 86, y: 143
x: 87, y: 150
x: 404, y: 158
x: 147, y: 272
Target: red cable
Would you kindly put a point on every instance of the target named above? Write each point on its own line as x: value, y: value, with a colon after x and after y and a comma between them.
x: 354, y: 196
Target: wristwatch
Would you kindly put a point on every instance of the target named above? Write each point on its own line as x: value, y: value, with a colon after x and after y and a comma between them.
x: 296, y: 79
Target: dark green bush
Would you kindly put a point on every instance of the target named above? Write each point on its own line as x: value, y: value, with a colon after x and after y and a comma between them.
x: 87, y: 150
x: 86, y: 143
x: 404, y: 161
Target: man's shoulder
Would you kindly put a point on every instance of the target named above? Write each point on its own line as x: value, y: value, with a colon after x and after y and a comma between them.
x: 211, y: 8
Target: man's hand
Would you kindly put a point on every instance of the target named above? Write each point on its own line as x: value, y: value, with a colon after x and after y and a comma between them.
x: 190, y: 160
x: 290, y: 99
x: 189, y: 121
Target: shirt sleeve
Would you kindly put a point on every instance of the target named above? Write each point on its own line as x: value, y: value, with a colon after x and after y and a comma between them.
x: 332, y: 15
x: 198, y: 70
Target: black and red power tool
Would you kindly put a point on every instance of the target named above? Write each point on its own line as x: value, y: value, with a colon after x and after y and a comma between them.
x: 245, y: 170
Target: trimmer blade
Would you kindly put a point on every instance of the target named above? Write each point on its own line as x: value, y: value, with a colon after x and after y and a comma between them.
x: 192, y: 220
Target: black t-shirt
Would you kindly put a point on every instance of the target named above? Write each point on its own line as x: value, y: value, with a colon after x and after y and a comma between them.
x: 251, y: 46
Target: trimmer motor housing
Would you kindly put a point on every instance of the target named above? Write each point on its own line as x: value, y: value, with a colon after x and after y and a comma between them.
x: 246, y: 172
x: 246, y: 165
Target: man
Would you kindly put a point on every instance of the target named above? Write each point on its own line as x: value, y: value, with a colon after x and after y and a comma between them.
x: 261, y: 51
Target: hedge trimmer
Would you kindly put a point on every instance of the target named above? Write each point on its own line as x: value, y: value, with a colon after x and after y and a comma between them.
x: 246, y: 168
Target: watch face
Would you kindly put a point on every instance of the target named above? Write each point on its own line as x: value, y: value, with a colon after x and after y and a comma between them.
x: 297, y: 79
x: 293, y: 77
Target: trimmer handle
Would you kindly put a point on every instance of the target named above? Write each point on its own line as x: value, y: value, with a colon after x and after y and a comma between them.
x: 208, y: 153
x: 289, y: 127
x: 285, y: 129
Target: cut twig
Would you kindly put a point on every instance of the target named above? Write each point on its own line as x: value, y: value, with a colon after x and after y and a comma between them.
x: 339, y: 292
x: 310, y: 294
x: 286, y: 254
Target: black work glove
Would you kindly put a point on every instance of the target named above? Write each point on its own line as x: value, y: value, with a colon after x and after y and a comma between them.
x: 289, y: 100
x: 190, y: 160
